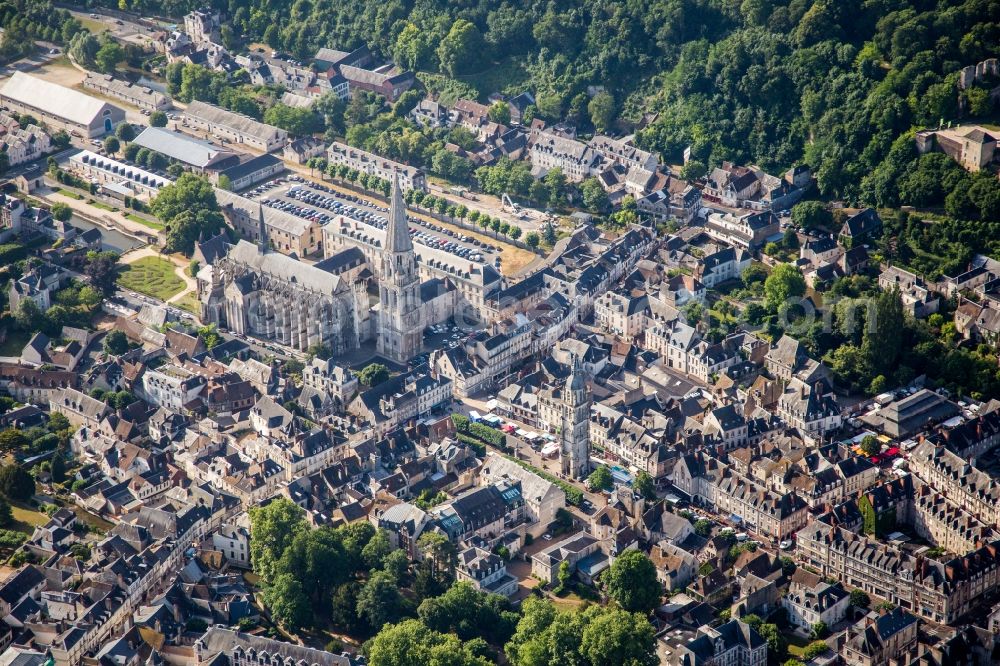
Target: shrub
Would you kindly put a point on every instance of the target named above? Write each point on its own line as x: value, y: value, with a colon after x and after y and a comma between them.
x: 11, y: 539
x: 815, y: 649
x: 474, y: 443
x: 489, y: 435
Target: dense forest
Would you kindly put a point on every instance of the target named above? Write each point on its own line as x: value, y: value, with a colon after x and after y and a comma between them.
x: 828, y: 82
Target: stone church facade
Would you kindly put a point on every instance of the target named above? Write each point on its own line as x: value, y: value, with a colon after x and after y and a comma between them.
x: 252, y: 290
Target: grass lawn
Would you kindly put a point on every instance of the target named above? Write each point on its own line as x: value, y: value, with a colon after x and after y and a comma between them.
x: 70, y: 194
x: 101, y: 205
x: 189, y: 302
x: 92, y: 25
x: 507, y: 76
x: 796, y: 644
x: 87, y: 517
x: 14, y: 343
x: 152, y: 276
x: 155, y: 226
x: 26, y: 519
x: 569, y: 602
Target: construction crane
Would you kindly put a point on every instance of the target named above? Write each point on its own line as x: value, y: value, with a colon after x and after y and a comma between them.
x: 508, y: 204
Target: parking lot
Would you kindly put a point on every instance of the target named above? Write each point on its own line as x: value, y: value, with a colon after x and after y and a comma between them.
x: 322, y: 204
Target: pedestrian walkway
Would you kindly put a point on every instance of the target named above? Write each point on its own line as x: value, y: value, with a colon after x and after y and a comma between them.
x: 101, y: 216
x: 180, y: 269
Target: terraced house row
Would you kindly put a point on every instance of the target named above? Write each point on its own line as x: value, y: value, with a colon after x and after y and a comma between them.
x: 937, y: 591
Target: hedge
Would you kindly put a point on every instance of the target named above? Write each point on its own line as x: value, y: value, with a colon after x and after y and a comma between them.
x: 573, y: 494
x: 479, y: 433
x: 476, y: 445
x: 488, y: 435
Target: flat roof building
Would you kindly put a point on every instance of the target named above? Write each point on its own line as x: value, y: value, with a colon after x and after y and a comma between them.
x: 60, y: 107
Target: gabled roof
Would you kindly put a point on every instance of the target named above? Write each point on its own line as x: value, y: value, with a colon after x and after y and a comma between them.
x: 182, y: 147
x: 58, y: 100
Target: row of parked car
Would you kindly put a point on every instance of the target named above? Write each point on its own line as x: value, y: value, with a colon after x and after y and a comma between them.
x: 316, y: 197
x: 484, y: 246
x: 298, y: 211
x: 336, y: 206
x: 430, y: 226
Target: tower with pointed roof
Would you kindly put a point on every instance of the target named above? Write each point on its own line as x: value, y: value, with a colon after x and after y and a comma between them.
x: 574, y: 454
x: 262, y: 240
x: 399, y: 327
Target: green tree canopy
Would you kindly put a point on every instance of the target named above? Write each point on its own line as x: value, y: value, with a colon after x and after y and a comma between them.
x: 643, y: 485
x: 870, y: 445
x: 109, y: 54
x: 272, y: 529
x: 785, y: 282
x: 412, y: 643
x: 376, y: 550
x: 125, y: 132
x: 62, y: 211
x: 600, y: 479
x: 811, y: 215
x: 631, y: 582
x: 595, y: 198
x: 188, y: 209
x: 379, y: 600
x: 468, y: 613
x: 115, y: 342
x: 500, y: 113
x: 13, y: 439
x: 298, y: 122
x: 102, y: 269
x: 288, y: 602
x: 591, y: 637
x: 693, y: 170
x: 602, y: 111
x: 16, y: 483
x: 462, y: 50
x: 157, y: 119
x: 373, y: 374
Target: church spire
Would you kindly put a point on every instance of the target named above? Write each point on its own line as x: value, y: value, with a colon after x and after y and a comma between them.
x: 261, y: 230
x: 576, y: 381
x: 397, y: 234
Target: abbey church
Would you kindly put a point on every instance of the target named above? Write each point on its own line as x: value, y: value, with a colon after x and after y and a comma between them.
x: 252, y: 290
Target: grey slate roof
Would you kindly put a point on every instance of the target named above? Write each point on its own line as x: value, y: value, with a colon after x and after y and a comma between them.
x: 398, y: 234
x: 181, y: 147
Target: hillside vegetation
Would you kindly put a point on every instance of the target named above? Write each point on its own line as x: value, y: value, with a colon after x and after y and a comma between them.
x: 831, y: 82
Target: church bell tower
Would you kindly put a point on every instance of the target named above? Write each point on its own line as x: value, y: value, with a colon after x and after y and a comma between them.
x: 575, y: 445
x: 399, y: 325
